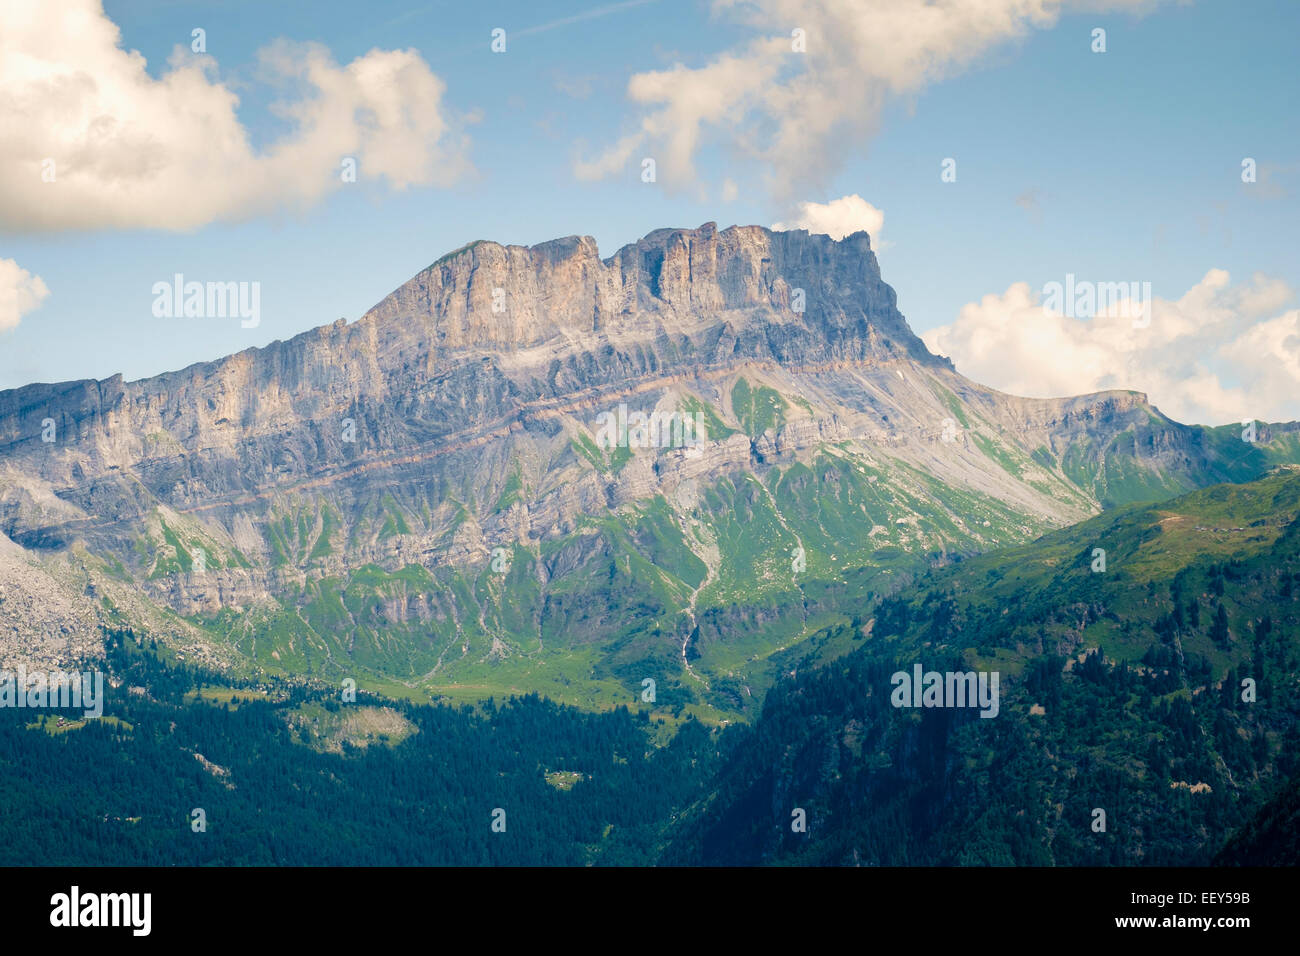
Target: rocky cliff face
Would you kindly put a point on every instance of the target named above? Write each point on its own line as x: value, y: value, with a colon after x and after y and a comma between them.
x: 743, y: 281
x: 486, y: 336
x: 460, y: 415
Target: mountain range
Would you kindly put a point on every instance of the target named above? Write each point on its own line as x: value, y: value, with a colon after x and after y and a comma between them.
x: 422, y: 499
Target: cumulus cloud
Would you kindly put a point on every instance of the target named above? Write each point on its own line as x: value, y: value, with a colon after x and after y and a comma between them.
x: 124, y: 149
x: 1221, y: 353
x: 838, y: 218
x: 20, y: 293
x: 685, y: 101
x: 799, y: 112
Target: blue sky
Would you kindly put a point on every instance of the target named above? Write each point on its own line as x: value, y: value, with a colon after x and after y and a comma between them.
x: 1123, y: 165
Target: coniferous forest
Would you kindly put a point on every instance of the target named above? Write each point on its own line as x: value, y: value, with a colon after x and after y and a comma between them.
x: 1174, y: 742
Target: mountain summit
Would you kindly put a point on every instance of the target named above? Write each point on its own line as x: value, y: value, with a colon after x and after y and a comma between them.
x: 743, y: 282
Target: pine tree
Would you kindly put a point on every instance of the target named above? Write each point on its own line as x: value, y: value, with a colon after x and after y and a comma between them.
x: 1219, y: 630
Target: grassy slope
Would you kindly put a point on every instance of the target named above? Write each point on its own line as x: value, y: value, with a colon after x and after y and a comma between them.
x: 1116, y: 694
x: 763, y: 562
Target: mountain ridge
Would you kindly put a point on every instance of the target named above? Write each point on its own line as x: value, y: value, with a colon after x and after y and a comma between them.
x: 456, y: 420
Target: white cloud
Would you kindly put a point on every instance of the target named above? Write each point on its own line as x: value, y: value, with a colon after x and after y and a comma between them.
x: 20, y: 293
x: 687, y: 100
x: 129, y: 150
x: 800, y: 112
x: 1219, y: 354
x: 838, y: 218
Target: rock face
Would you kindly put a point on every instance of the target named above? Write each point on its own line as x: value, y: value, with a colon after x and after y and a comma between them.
x: 740, y: 282
x: 439, y: 359
x: 459, y: 415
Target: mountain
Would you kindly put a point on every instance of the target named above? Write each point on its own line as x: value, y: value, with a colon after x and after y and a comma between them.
x: 1161, y: 690
x: 421, y: 499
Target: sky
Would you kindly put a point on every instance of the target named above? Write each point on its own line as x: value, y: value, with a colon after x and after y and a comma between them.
x: 997, y: 151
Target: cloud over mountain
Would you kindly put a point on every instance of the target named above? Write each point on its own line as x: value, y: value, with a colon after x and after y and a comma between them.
x: 1221, y: 353
x: 813, y: 85
x: 838, y: 218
